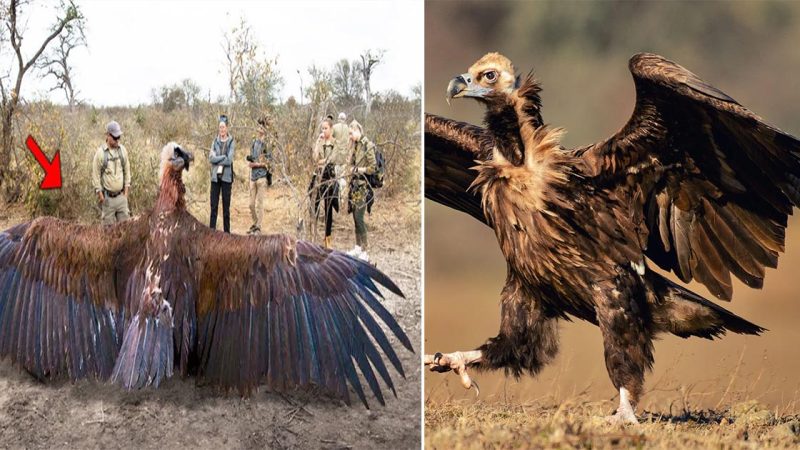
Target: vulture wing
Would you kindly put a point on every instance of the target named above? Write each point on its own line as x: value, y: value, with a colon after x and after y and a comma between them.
x: 451, y: 149
x: 712, y: 183
x: 291, y: 314
x: 62, y: 287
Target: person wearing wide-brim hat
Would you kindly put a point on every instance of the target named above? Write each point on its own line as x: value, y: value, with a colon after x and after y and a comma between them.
x: 111, y: 176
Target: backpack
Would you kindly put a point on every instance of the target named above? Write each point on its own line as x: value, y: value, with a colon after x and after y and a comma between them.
x: 376, y: 179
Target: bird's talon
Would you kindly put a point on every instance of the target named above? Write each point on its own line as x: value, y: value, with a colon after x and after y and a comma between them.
x: 457, y: 362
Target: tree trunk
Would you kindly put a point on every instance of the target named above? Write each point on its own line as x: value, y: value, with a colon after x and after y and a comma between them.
x: 6, y: 147
x: 369, y: 95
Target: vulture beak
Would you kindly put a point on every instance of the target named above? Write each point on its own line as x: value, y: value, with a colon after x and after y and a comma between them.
x: 463, y: 86
x: 181, y: 159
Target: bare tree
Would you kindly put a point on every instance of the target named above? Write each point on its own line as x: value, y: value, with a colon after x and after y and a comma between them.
x: 239, y: 47
x: 69, y: 14
x: 369, y: 59
x: 346, y: 83
x: 253, y: 79
x: 56, y: 63
x: 320, y: 90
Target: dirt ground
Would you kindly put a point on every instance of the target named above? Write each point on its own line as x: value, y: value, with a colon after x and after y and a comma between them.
x: 181, y: 414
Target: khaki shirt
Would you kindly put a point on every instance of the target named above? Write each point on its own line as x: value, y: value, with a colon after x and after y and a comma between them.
x: 116, y: 177
x: 324, y: 150
x: 364, y: 157
x: 341, y: 134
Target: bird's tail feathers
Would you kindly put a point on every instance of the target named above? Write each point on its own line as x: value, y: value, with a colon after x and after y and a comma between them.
x: 147, y: 353
x: 684, y: 313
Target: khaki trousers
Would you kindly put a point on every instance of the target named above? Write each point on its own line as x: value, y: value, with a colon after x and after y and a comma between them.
x: 258, y: 189
x: 114, y: 209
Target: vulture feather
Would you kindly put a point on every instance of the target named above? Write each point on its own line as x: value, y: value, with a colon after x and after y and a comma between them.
x: 694, y: 182
x: 162, y: 293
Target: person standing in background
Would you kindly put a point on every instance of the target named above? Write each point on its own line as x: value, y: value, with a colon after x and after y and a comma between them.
x: 260, y: 162
x: 341, y: 151
x: 364, y: 163
x: 325, y: 187
x: 111, y: 177
x: 221, y: 159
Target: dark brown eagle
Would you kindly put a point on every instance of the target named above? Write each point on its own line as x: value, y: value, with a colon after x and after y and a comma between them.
x: 133, y: 302
x: 694, y: 182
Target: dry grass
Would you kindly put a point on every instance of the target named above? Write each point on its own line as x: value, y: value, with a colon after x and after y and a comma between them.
x: 581, y: 424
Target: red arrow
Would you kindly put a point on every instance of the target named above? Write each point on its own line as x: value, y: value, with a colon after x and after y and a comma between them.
x: 52, y: 169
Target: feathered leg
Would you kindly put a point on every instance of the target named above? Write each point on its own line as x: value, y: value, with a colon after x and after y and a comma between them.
x: 627, y: 339
x: 528, y: 339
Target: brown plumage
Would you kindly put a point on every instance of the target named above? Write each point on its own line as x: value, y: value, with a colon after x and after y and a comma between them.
x: 134, y: 301
x: 694, y: 182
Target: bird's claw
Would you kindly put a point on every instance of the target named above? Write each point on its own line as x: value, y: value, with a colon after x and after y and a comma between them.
x: 439, y: 362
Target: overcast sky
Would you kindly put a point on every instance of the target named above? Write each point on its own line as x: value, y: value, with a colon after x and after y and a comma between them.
x: 135, y: 46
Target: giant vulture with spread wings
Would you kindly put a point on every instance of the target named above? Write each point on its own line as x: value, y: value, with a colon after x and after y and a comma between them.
x: 694, y: 182
x: 136, y: 301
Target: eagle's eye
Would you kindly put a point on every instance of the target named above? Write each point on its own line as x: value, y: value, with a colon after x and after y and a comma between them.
x: 490, y: 76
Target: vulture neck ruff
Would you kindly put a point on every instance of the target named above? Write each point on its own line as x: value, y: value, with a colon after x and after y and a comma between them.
x: 508, y: 189
x: 512, y: 118
x: 171, y: 192
x: 525, y: 201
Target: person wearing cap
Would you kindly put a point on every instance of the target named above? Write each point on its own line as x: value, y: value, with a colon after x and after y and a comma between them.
x: 260, y: 162
x: 341, y: 149
x: 221, y: 159
x: 364, y: 163
x: 111, y: 176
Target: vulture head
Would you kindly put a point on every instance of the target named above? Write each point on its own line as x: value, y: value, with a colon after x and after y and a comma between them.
x: 174, y: 160
x: 494, y: 73
x: 511, y: 102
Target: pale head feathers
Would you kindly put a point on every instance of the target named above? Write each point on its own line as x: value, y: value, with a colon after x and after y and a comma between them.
x: 505, y: 73
x: 167, y: 152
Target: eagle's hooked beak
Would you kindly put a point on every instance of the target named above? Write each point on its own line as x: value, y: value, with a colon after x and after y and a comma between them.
x: 464, y: 86
x: 181, y: 159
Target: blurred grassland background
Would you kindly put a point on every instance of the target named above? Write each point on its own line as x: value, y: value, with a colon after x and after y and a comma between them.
x: 579, y: 51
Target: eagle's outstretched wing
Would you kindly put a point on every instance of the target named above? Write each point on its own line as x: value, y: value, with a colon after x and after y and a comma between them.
x: 451, y: 149
x: 62, y: 288
x: 291, y: 314
x: 712, y: 182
